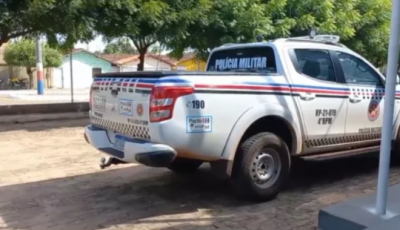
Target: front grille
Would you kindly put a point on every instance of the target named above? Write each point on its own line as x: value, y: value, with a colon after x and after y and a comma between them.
x: 136, y: 131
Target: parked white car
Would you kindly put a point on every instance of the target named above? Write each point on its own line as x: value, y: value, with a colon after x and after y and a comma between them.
x: 257, y: 106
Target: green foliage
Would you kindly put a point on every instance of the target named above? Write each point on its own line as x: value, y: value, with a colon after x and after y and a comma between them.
x: 371, y: 38
x: 201, y: 25
x: 121, y: 46
x: 22, y: 53
x: 363, y: 25
x: 63, y: 22
x: 146, y: 22
x: 14, y: 19
x: 224, y: 22
x: 51, y: 57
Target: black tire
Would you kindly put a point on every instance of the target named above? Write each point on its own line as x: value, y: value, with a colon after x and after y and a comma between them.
x: 395, y: 154
x: 252, y: 154
x: 184, y: 165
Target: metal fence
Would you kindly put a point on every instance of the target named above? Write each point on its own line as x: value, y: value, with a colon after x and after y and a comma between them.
x: 17, y: 90
x: 50, y: 96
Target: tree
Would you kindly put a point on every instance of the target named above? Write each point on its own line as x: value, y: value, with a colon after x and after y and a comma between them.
x: 229, y: 21
x: 363, y: 25
x: 14, y: 20
x: 146, y: 22
x: 371, y: 38
x: 22, y: 53
x: 63, y: 22
x: 121, y: 46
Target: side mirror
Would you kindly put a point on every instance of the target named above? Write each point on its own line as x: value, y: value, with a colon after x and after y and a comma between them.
x: 397, y: 77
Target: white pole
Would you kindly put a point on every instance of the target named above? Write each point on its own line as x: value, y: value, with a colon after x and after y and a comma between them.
x: 39, y: 67
x: 384, y: 159
x: 72, y: 75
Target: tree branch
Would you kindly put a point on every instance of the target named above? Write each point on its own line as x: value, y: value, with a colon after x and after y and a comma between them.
x: 136, y: 44
x: 21, y: 33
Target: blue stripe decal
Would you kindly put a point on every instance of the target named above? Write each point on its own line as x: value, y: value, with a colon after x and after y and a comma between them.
x: 150, y: 81
x: 178, y: 80
x: 295, y: 85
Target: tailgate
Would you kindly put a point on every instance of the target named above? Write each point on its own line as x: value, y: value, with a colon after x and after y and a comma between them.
x: 121, y: 104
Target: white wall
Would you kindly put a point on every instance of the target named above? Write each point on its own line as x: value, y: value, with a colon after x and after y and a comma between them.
x: 82, y: 75
x: 153, y: 64
x: 150, y: 64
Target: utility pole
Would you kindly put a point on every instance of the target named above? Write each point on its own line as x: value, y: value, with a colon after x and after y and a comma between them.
x: 39, y: 67
x: 384, y: 158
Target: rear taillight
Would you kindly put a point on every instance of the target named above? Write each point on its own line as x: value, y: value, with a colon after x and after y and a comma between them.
x: 162, y: 101
x: 90, y: 98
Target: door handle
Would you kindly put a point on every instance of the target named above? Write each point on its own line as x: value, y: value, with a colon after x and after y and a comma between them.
x: 307, y: 96
x: 354, y: 98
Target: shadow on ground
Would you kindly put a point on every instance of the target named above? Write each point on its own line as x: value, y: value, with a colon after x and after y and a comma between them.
x: 138, y: 196
x: 45, y: 125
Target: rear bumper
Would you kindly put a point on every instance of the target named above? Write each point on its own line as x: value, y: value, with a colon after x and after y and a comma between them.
x: 135, y: 150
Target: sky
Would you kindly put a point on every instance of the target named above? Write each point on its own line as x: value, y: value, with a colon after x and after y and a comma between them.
x: 93, y: 46
x: 98, y: 45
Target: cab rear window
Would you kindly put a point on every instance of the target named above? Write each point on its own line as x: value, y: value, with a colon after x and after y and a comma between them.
x: 249, y: 59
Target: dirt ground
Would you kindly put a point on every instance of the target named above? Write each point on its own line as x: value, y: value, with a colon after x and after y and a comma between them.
x: 50, y: 179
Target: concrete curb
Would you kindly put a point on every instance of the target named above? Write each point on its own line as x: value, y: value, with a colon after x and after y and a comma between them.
x: 42, y: 117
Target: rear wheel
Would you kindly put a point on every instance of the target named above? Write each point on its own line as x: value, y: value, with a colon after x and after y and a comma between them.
x: 184, y: 165
x: 395, y: 154
x: 261, y: 167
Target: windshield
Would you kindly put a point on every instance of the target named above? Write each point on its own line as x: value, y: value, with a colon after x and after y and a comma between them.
x: 248, y: 59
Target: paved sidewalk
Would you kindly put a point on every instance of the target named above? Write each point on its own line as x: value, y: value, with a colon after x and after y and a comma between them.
x: 21, y: 97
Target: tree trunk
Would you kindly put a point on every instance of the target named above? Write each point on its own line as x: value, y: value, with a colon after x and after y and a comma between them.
x: 3, y: 41
x: 142, y: 55
x: 29, y: 71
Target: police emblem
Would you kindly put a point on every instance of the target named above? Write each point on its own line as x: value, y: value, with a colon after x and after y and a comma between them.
x: 373, y: 110
x: 139, y: 109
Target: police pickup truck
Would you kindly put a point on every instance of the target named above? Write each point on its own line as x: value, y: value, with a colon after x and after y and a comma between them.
x: 256, y: 107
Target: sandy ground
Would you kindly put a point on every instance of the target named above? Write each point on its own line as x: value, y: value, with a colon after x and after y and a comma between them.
x: 50, y: 179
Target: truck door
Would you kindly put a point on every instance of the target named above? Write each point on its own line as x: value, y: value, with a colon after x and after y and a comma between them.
x: 366, y: 100
x: 321, y: 99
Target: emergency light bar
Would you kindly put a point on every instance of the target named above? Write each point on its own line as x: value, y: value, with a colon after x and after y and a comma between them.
x: 327, y: 38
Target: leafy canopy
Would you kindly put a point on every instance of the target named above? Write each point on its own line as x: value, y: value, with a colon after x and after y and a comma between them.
x: 22, y: 53
x: 63, y: 22
x: 146, y: 22
x: 121, y: 46
x: 363, y: 25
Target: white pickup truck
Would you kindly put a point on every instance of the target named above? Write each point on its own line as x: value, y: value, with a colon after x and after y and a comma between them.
x: 256, y: 107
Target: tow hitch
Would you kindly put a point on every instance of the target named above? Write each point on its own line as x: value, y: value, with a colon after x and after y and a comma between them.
x: 104, y: 163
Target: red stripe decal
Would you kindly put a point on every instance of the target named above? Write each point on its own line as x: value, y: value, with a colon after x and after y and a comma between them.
x: 274, y: 88
x: 321, y: 91
x: 144, y: 85
x: 277, y: 88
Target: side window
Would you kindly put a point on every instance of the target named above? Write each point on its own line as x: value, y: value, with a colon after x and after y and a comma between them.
x: 316, y: 64
x: 357, y: 71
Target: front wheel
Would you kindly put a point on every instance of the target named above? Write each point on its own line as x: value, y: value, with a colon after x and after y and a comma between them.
x: 184, y: 165
x: 261, y: 167
x: 395, y: 154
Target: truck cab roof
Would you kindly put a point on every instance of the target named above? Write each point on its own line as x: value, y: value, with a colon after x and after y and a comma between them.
x: 295, y: 41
